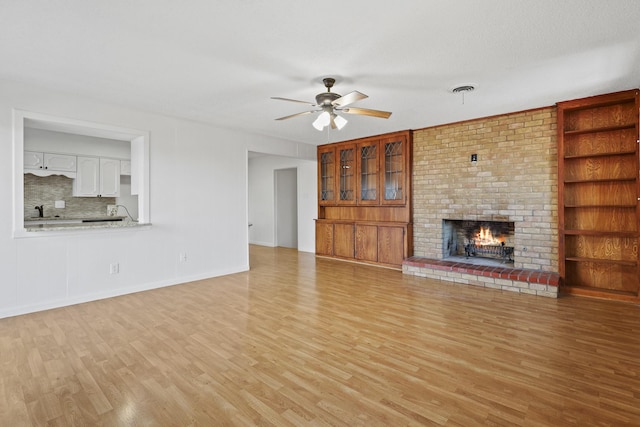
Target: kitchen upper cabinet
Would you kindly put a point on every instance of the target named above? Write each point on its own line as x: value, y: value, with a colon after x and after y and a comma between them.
x: 109, y: 177
x: 45, y: 164
x: 33, y: 160
x: 87, y: 183
x: 97, y: 177
x: 125, y: 167
x: 60, y: 162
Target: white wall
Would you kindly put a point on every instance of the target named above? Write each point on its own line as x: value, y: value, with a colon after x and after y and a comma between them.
x: 262, y: 199
x: 198, y: 206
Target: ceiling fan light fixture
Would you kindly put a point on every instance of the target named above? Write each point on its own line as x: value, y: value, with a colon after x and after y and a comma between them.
x: 323, y: 120
x: 329, y: 102
x: 339, y: 121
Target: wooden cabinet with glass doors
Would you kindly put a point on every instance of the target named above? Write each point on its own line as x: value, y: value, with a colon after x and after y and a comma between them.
x: 326, y: 175
x: 598, y: 195
x: 364, y: 205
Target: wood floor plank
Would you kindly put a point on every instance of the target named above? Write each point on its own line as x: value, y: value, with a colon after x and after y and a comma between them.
x: 318, y: 342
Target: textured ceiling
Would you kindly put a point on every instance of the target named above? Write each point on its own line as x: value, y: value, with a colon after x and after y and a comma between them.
x: 221, y: 61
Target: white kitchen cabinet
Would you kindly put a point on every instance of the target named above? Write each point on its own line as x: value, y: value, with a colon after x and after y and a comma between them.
x: 60, y: 162
x: 45, y: 164
x: 109, y: 177
x: 125, y: 167
x: 97, y: 177
x: 33, y: 160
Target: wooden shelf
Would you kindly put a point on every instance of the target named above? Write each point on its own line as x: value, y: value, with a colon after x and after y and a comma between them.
x: 589, y: 291
x: 600, y: 191
x: 603, y: 261
x: 587, y: 181
x: 600, y: 206
x: 631, y: 234
x: 599, y: 129
x: 609, y: 154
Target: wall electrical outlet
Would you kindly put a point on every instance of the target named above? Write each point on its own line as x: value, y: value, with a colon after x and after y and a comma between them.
x: 183, y: 257
x: 112, y: 210
x: 114, y: 268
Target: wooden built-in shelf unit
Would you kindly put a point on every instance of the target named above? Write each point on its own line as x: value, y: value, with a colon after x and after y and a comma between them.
x: 598, y: 191
x: 364, y: 200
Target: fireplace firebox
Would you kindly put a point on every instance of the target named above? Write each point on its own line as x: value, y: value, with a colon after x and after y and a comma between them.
x: 491, y: 240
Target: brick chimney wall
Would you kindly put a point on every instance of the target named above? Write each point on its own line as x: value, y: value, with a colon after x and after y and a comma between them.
x: 514, y: 179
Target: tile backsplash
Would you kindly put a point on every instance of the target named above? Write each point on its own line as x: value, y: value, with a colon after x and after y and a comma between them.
x: 46, y: 190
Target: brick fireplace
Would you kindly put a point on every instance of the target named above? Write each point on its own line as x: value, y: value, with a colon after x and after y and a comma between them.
x: 513, y: 180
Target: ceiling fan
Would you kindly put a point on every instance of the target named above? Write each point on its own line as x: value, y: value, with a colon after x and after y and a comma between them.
x: 330, y: 103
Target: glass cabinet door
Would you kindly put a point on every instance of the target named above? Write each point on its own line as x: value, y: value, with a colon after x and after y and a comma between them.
x: 368, y: 177
x: 346, y: 171
x: 394, y: 172
x: 326, y: 176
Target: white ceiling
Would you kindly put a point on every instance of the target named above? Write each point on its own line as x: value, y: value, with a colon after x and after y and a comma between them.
x: 220, y: 61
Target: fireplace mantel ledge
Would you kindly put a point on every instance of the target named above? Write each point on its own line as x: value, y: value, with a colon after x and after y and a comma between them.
x: 521, y: 280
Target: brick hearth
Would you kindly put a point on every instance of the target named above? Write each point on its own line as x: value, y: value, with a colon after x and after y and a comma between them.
x: 520, y: 280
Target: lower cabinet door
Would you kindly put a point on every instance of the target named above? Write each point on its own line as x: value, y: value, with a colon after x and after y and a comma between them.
x: 390, y: 245
x: 324, y: 238
x: 367, y: 242
x: 343, y: 240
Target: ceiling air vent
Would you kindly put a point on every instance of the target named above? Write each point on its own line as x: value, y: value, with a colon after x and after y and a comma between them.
x: 463, y: 89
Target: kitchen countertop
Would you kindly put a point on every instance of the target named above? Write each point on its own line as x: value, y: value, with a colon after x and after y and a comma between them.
x: 64, y: 218
x: 60, y: 223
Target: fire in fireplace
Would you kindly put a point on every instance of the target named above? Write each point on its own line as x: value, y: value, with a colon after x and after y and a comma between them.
x: 482, y: 239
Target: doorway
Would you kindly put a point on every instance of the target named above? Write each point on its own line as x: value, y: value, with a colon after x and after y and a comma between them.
x: 286, y: 207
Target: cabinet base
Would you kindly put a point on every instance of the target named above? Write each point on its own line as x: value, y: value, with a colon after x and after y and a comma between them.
x: 361, y: 262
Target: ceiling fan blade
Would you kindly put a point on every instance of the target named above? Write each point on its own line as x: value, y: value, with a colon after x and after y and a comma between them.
x: 349, y: 98
x: 367, y: 112
x: 292, y: 100
x: 295, y: 115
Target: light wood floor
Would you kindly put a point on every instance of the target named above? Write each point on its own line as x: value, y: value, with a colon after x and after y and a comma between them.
x: 303, y: 341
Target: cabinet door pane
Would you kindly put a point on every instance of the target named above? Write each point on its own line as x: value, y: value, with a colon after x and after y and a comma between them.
x: 369, y: 173
x: 393, y: 171
x: 347, y: 170
x: 327, y: 175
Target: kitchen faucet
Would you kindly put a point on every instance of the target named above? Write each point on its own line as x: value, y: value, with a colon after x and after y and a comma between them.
x: 40, y: 211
